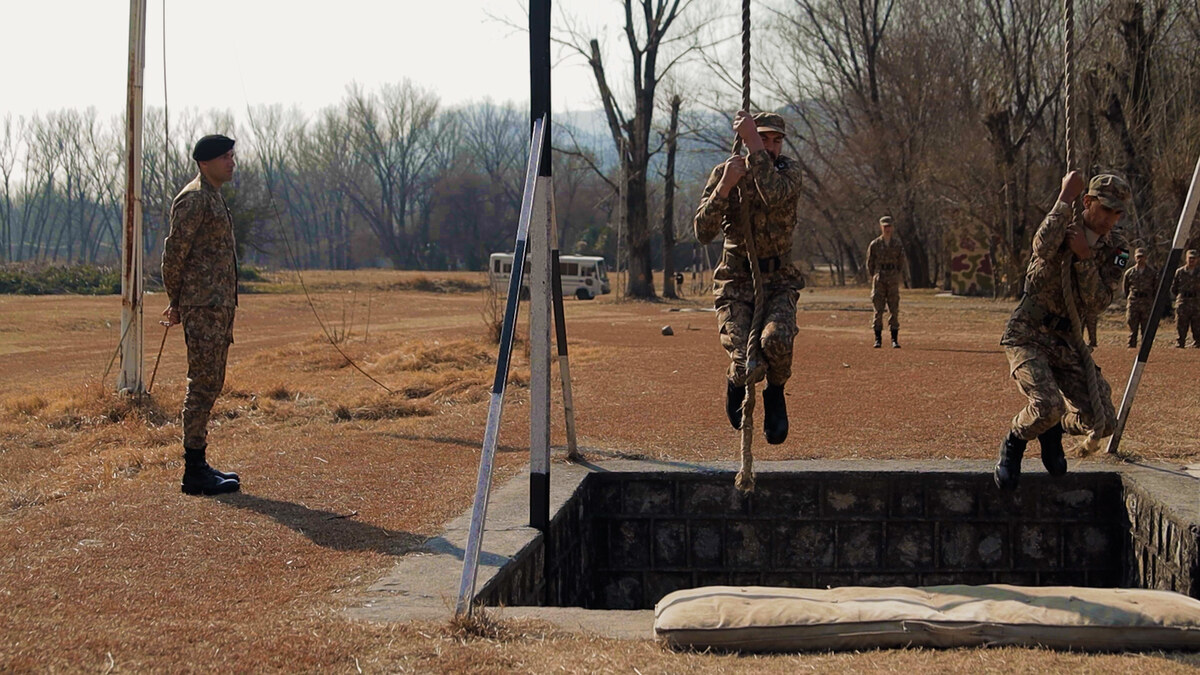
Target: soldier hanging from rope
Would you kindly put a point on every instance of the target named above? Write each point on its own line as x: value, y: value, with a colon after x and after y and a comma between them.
x: 1046, y: 353
x: 772, y: 187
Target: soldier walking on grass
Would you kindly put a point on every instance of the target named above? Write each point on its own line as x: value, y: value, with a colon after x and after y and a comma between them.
x: 1041, y: 354
x: 1186, y: 289
x: 771, y: 182
x: 199, y: 271
x: 885, y: 267
x: 1139, y: 286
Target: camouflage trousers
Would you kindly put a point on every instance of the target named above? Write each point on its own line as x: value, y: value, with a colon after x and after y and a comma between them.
x: 208, y: 332
x: 1056, y: 386
x: 1137, y: 315
x: 734, y: 316
x: 885, y: 292
x: 1188, y: 317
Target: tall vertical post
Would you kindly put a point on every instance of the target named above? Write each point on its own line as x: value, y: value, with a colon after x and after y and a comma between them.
x: 130, y: 378
x: 540, y: 274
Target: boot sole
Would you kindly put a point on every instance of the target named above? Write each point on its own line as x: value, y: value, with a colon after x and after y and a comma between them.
x: 194, y: 490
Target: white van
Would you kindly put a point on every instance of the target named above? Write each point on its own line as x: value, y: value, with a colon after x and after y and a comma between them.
x: 583, y: 276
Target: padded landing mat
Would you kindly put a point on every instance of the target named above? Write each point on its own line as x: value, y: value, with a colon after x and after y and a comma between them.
x: 757, y: 619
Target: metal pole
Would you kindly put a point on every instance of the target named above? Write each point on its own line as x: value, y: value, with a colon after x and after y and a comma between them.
x: 560, y: 335
x: 539, y: 284
x: 130, y: 378
x: 1182, y: 231
x: 483, y: 483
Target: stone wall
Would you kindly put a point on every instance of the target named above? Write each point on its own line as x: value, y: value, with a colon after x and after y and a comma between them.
x: 654, y: 534
x: 1164, y: 544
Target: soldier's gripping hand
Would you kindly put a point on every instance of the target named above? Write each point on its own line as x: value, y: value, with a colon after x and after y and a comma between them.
x: 172, y: 314
x: 746, y: 129
x: 1072, y: 187
x: 734, y: 171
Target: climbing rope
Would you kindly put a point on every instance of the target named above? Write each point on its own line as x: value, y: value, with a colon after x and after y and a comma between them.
x: 754, y: 368
x: 1099, y: 411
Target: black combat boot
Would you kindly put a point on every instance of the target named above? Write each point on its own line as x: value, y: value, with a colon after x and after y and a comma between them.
x: 775, y: 421
x: 895, y: 338
x: 227, y: 475
x: 1052, y: 450
x: 1133, y: 341
x: 199, y: 478
x: 734, y: 395
x: 1008, y: 469
x: 878, y: 338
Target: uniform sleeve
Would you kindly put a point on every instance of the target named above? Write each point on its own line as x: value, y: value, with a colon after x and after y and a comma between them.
x: 1175, y: 282
x: 1125, y: 282
x: 778, y: 186
x: 1100, y: 275
x: 187, y: 214
x: 712, y: 209
x: 1052, y: 231
x: 871, y: 258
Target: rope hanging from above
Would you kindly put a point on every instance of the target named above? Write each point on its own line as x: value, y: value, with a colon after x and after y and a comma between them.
x: 1099, y: 410
x: 754, y: 367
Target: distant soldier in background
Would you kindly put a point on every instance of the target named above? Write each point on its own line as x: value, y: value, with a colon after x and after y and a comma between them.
x: 1139, y: 286
x: 1089, y: 323
x: 1186, y: 289
x: 199, y: 271
x: 1038, y: 339
x: 885, y: 267
x: 771, y: 182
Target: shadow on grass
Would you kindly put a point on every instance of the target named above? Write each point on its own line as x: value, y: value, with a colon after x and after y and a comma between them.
x: 328, y: 529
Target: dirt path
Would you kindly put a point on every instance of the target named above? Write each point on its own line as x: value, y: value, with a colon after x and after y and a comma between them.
x: 108, y: 566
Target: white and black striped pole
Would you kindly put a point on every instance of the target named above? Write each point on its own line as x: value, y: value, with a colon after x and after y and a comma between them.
x: 541, y: 275
x: 483, y: 484
x: 1160, y: 304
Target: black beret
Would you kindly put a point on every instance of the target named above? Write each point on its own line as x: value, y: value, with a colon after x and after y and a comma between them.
x: 211, y: 147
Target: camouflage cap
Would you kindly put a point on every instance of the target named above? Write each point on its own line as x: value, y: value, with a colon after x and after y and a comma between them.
x: 1139, y: 252
x: 886, y: 220
x: 1111, y: 190
x: 1192, y: 253
x: 768, y: 121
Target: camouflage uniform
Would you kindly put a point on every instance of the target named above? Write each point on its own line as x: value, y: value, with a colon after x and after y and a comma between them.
x: 1186, y: 289
x: 772, y: 221
x: 199, y: 269
x: 1139, y: 287
x: 1036, y: 340
x: 885, y: 266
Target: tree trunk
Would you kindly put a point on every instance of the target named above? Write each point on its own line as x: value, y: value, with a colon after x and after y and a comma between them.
x: 668, y: 222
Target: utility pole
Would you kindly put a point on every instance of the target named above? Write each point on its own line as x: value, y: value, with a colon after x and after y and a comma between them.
x: 130, y: 379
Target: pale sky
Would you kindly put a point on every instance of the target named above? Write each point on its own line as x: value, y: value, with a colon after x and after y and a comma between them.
x: 225, y: 54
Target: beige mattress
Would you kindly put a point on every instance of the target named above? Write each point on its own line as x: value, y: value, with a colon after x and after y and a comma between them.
x: 757, y: 619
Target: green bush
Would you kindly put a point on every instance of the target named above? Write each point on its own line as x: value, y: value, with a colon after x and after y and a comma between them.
x: 56, y: 280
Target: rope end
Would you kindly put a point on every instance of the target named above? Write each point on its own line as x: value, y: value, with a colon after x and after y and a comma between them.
x: 744, y: 481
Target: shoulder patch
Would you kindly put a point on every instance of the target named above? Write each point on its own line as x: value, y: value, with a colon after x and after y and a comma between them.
x: 1121, y: 258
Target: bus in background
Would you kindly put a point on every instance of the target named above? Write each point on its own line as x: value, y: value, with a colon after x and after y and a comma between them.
x: 583, y: 276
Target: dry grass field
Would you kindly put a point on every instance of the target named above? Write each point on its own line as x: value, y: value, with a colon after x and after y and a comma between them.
x: 108, y: 567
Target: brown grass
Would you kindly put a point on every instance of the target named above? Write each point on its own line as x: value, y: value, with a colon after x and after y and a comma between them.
x: 108, y: 566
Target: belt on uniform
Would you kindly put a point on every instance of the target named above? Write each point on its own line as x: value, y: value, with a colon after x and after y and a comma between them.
x: 1139, y: 295
x: 1046, y: 318
x: 1187, y: 295
x: 765, y: 265
x: 887, y: 268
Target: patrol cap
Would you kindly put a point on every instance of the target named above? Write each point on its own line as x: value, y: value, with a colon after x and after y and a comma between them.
x: 1139, y: 252
x: 886, y: 220
x: 1192, y: 253
x: 211, y: 147
x: 769, y: 121
x: 1111, y: 190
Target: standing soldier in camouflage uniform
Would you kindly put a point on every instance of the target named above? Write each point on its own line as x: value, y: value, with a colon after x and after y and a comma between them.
x: 885, y: 267
x: 1186, y: 289
x: 199, y: 270
x: 772, y: 183
x: 1139, y: 286
x: 1041, y: 354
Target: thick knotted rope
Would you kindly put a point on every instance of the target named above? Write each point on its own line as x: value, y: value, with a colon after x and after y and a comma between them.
x: 754, y: 367
x: 1099, y: 410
